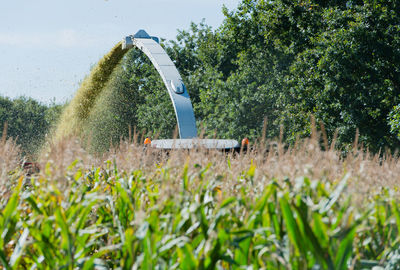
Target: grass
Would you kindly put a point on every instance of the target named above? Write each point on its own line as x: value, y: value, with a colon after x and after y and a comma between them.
x: 285, y: 208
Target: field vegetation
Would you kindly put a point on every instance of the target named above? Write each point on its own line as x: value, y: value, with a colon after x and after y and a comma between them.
x: 274, y: 207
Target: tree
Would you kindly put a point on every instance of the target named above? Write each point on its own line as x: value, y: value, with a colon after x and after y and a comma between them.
x: 288, y: 60
x: 28, y: 121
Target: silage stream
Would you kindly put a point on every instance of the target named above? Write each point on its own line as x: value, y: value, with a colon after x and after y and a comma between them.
x: 72, y: 120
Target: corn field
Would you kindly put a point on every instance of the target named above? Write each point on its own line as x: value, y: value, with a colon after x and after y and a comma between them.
x: 274, y: 207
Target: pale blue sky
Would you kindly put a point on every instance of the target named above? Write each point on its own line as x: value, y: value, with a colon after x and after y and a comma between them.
x: 48, y: 46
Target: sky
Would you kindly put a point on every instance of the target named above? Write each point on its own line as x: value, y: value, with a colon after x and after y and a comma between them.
x: 48, y: 46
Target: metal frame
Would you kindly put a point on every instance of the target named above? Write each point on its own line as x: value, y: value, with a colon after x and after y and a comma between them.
x: 172, y: 80
x: 195, y: 143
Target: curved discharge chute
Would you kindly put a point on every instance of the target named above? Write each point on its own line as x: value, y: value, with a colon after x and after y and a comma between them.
x: 171, y: 78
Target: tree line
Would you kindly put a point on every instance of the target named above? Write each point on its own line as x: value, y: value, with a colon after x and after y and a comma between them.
x: 27, y: 121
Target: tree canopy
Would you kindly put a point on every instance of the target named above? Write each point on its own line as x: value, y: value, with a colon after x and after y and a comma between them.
x: 288, y: 60
x: 28, y: 121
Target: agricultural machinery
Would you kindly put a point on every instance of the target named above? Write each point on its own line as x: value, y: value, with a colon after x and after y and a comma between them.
x: 179, y: 95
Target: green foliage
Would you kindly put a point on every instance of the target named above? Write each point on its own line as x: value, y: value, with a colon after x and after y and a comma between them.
x: 348, y: 77
x: 107, y: 218
x: 394, y: 120
x: 288, y: 60
x: 28, y: 121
